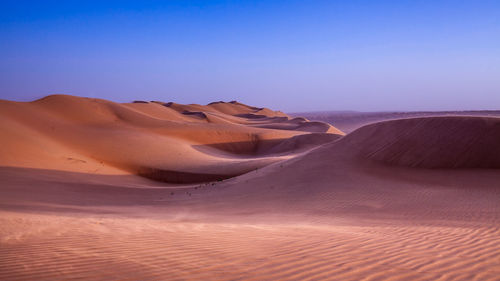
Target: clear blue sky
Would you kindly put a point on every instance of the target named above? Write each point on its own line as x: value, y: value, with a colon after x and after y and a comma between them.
x: 289, y: 55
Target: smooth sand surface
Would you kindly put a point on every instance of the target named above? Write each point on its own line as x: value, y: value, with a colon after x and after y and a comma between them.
x: 96, y: 190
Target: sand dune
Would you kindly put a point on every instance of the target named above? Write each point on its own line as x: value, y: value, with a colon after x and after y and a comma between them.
x: 243, y: 193
x: 438, y: 142
x: 149, y: 139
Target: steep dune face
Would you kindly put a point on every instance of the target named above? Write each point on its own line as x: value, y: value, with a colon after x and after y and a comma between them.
x: 434, y: 142
x: 160, y: 141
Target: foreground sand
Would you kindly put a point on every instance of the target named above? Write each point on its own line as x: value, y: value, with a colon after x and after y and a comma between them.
x: 414, y: 199
x: 45, y: 247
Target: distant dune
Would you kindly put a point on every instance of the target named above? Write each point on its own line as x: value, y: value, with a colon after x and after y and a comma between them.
x: 97, y: 190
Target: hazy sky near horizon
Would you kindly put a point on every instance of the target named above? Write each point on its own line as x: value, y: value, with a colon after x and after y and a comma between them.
x: 288, y: 55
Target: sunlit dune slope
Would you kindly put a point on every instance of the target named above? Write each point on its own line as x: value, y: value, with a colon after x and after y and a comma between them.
x: 163, y: 141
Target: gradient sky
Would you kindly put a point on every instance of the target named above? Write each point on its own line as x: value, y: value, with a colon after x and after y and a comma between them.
x: 288, y: 55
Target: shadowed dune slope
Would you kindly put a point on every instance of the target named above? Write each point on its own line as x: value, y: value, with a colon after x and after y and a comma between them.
x: 432, y: 142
